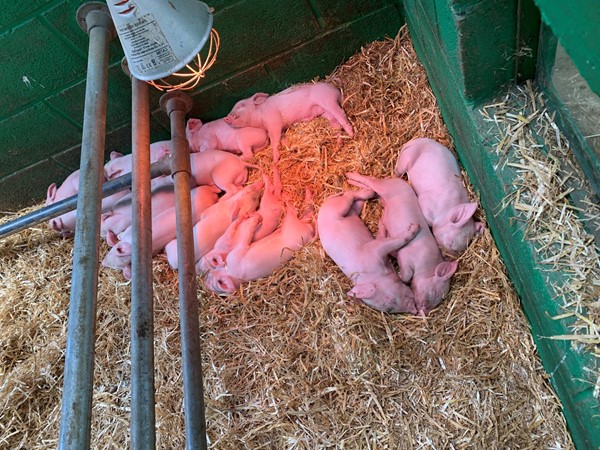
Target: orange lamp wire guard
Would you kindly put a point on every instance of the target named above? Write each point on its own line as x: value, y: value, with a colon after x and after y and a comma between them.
x: 189, y: 77
x: 163, y: 41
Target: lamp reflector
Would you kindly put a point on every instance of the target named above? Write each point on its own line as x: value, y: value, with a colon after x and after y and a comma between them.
x: 160, y: 37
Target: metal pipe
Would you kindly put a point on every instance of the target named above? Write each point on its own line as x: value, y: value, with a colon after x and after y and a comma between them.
x: 176, y: 105
x: 161, y: 167
x: 79, y: 360
x: 143, y: 434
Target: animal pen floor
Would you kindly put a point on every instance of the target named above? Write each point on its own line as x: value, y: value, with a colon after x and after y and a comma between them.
x: 290, y: 362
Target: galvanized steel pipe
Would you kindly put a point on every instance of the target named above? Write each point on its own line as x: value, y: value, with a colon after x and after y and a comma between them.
x: 161, y: 167
x: 176, y: 105
x: 143, y: 435
x: 79, y: 360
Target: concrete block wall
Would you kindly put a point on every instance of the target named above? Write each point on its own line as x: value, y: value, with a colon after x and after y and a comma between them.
x: 265, y: 46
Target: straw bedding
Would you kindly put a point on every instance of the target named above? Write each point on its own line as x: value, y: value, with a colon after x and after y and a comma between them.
x: 289, y: 361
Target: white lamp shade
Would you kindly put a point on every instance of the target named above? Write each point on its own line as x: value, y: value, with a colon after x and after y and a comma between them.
x: 160, y: 37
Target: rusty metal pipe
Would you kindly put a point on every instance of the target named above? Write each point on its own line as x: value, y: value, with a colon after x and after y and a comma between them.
x: 79, y: 361
x: 176, y: 105
x: 161, y: 167
x: 143, y: 420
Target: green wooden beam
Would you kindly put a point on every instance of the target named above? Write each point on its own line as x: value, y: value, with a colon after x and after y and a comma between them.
x: 577, y: 26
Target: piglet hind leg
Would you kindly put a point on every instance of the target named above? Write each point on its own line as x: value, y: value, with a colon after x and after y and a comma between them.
x: 337, y: 118
x: 383, y: 247
x: 354, y: 201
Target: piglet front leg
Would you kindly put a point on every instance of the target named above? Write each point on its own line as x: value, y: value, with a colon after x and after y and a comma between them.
x: 224, y: 245
x: 219, y: 279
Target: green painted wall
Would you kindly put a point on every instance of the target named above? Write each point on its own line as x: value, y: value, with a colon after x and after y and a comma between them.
x: 265, y: 45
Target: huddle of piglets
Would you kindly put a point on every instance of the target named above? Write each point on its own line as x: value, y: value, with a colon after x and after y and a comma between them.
x: 65, y: 224
x: 435, y: 176
x: 275, y: 113
x: 240, y: 238
x: 218, y: 135
x: 119, y: 218
x: 270, y: 210
x: 429, y: 215
x: 420, y: 260
x: 163, y: 229
x: 248, y: 259
x: 362, y: 258
x: 214, y: 221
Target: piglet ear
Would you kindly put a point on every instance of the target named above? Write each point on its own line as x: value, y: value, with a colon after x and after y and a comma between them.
x: 363, y: 290
x: 127, y: 272
x: 51, y: 194
x: 259, y: 98
x: 115, y: 155
x: 112, y: 239
x: 460, y: 214
x: 194, y: 124
x: 446, y: 269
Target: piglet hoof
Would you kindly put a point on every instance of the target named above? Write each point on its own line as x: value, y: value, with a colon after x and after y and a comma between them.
x: 413, y: 230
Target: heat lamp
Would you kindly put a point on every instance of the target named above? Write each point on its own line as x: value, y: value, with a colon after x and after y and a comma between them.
x: 163, y: 40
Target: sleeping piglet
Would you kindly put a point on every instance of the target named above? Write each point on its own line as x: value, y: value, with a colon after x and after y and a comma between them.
x: 421, y: 262
x: 163, y: 230
x: 65, y: 224
x: 249, y: 260
x: 220, y: 168
x: 215, y: 220
x: 120, y: 164
x: 119, y: 218
x: 218, y: 135
x: 270, y: 210
x: 298, y: 103
x: 362, y: 258
x: 435, y: 176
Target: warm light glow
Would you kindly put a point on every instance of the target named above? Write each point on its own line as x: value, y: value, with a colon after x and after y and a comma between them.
x: 193, y: 71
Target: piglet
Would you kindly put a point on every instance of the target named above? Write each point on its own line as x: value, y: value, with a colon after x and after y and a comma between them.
x: 420, y: 260
x: 435, y: 176
x: 362, y: 258
x: 270, y: 210
x: 65, y: 224
x: 218, y: 135
x: 220, y: 168
x: 299, y: 103
x: 250, y: 260
x: 119, y: 218
x: 163, y: 230
x: 215, y: 220
x: 120, y: 164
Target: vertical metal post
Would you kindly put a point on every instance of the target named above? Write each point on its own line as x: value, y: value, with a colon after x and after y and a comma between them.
x: 79, y: 362
x: 176, y: 105
x: 143, y: 434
